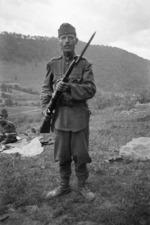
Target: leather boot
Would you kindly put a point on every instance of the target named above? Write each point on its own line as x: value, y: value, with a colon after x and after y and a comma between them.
x: 85, y: 192
x: 63, y: 188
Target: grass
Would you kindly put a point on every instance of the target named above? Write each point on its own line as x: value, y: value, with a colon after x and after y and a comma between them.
x: 122, y: 188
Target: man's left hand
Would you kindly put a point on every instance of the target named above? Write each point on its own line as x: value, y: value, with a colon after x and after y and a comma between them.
x: 62, y: 86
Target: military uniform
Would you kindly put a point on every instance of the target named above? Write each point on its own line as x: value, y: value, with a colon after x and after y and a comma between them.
x: 9, y: 128
x: 71, y: 122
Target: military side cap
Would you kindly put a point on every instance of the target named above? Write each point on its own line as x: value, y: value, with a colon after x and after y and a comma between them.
x: 66, y: 28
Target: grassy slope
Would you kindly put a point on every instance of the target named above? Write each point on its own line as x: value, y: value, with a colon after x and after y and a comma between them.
x: 122, y: 188
x: 27, y: 104
x: 28, y: 75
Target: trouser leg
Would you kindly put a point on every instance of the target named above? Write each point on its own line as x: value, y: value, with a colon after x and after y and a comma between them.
x: 62, y: 146
x: 79, y: 147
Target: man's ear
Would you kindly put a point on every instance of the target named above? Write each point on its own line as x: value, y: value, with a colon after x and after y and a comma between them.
x: 76, y: 41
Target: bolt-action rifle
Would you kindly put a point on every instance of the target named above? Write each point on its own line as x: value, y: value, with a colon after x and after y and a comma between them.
x: 47, y: 123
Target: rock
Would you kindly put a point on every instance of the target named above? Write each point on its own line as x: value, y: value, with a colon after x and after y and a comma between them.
x: 138, y: 148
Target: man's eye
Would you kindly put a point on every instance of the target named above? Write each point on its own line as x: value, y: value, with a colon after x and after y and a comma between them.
x: 63, y: 38
x: 70, y: 37
x: 66, y: 37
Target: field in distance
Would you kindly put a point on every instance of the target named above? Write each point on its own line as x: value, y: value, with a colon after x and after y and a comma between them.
x: 20, y: 102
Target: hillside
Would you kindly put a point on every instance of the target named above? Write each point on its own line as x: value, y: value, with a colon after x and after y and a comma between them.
x: 23, y: 59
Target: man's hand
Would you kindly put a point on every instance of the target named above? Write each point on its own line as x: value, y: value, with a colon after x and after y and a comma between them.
x: 62, y: 86
x: 44, y: 112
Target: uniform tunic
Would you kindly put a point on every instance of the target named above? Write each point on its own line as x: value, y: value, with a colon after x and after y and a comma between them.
x: 72, y: 114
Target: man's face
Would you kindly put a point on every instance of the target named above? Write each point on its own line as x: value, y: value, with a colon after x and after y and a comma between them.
x: 67, y: 42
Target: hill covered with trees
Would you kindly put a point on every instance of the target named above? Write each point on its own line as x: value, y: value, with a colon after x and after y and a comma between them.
x: 23, y: 59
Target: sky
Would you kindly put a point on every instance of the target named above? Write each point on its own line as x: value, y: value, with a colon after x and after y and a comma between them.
x: 118, y: 23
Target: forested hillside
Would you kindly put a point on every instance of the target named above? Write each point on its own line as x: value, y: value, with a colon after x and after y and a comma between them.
x: 23, y: 59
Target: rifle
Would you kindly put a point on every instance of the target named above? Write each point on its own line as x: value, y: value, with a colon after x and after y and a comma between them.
x: 47, y: 123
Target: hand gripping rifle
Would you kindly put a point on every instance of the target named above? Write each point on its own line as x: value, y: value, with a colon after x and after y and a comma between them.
x: 47, y: 123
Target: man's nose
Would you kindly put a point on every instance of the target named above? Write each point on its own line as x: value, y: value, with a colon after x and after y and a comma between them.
x: 66, y: 39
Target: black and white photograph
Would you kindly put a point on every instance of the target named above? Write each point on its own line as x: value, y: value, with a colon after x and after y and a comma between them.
x: 75, y: 112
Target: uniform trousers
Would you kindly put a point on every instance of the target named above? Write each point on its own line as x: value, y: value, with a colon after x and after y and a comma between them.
x: 72, y: 146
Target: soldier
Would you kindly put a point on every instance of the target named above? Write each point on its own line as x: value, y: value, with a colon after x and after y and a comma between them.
x: 71, y: 124
x: 8, y: 132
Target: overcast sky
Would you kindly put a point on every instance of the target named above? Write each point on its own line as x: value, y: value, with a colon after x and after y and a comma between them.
x: 120, y: 23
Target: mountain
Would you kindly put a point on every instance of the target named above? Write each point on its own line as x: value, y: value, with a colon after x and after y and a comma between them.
x: 23, y: 60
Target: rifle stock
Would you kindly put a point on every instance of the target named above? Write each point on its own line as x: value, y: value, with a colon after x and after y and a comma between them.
x: 45, y: 127
x: 47, y: 123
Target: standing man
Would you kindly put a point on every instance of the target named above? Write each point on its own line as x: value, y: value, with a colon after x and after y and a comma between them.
x: 71, y: 124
